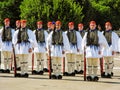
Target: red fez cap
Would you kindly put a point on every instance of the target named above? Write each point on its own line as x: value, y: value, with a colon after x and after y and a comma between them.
x: 70, y: 23
x: 58, y: 23
x: 108, y: 23
x: 18, y: 21
x: 39, y: 22
x: 49, y: 23
x: 23, y: 21
x: 6, y: 20
x: 80, y: 25
x: 93, y: 22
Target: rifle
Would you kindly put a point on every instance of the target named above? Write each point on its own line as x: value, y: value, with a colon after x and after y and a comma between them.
x: 32, y: 62
x: 84, y: 65
x: 49, y: 62
x: 14, y: 58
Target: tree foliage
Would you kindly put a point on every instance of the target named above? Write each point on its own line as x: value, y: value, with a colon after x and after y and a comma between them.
x: 9, y: 9
x: 63, y: 10
x: 51, y: 10
x: 109, y: 10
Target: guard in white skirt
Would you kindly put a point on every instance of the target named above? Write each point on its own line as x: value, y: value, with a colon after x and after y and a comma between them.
x: 112, y: 39
x: 93, y: 42
x: 75, y: 41
x: 6, y: 35
x: 57, y: 43
x: 24, y: 40
x: 40, y: 51
x: 80, y: 54
x: 17, y: 56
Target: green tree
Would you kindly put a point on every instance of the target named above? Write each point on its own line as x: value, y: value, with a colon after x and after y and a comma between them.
x: 108, y: 10
x: 101, y: 11
x: 9, y: 9
x: 51, y: 10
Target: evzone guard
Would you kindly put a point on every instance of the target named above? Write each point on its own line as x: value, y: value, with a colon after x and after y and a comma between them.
x: 108, y: 54
x: 93, y: 42
x: 57, y: 43
x: 40, y: 51
x: 6, y: 35
x: 75, y: 41
x: 24, y: 40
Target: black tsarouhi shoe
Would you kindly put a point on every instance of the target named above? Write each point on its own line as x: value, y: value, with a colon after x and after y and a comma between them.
x: 7, y: 71
x: 89, y: 78
x: 45, y: 70
x: 17, y: 75
x: 53, y: 77
x: 1, y: 70
x: 81, y: 72
x: 65, y: 74
x: 41, y: 72
x: 34, y: 72
x: 96, y: 78
x: 59, y: 76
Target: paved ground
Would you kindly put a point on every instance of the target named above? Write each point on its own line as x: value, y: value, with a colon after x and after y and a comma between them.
x: 41, y: 82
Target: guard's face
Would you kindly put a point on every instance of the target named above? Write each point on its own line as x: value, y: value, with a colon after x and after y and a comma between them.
x: 48, y: 26
x: 23, y: 25
x: 7, y: 23
x: 71, y: 27
x: 108, y: 27
x: 80, y: 28
x: 39, y: 25
x: 53, y: 26
x: 58, y: 26
x: 17, y: 24
x: 92, y: 26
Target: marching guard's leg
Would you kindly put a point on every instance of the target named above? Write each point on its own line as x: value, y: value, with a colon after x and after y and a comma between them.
x: 70, y: 64
x: 95, y: 69
x: 82, y: 64
x: 110, y: 67
x: 24, y: 66
x: 40, y: 64
x: 18, y: 62
x: 54, y: 67
x: 59, y: 68
x: 106, y: 74
x: 89, y: 77
x: 79, y: 64
x: 45, y: 69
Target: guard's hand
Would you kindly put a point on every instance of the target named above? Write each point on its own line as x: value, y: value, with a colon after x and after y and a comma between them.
x: 113, y: 52
x: 46, y: 49
x: 63, y: 52
x: 78, y: 50
x: 99, y: 52
x: 30, y: 50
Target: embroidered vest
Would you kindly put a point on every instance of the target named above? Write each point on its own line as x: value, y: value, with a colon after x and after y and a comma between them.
x: 23, y: 35
x: 92, y: 38
x: 7, y: 34
x: 40, y: 37
x: 72, y: 37
x: 108, y: 35
x: 57, y: 38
